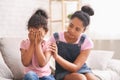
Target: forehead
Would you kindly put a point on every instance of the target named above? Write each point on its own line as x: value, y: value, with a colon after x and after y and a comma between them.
x: 77, y: 22
x: 37, y: 29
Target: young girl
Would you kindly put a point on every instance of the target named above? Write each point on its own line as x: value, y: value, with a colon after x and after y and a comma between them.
x: 34, y: 51
x: 73, y: 48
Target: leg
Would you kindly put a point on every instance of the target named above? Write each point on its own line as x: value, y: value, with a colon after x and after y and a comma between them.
x: 50, y: 77
x: 75, y: 76
x: 91, y: 76
x: 31, y: 76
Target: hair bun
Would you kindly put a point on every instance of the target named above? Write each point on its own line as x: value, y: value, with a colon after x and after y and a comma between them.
x: 41, y: 12
x: 88, y: 10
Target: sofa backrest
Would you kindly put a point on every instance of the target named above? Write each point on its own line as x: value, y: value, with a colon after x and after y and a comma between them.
x: 5, y: 72
x: 98, y: 59
x: 11, y: 54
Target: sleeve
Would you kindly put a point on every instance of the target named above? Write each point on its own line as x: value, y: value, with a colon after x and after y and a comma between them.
x: 23, y: 44
x: 51, y: 39
x: 88, y: 44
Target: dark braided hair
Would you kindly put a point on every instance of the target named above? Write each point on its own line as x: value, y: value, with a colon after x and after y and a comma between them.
x: 38, y: 19
x: 84, y: 15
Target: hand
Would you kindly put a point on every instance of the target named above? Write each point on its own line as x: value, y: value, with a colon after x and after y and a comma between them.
x: 31, y: 36
x: 53, y: 48
x: 38, y: 38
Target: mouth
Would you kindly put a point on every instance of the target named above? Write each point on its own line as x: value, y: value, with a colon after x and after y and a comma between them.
x: 70, y: 35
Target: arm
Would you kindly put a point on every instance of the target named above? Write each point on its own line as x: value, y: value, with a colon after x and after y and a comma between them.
x: 26, y: 54
x: 72, y: 67
x: 42, y: 57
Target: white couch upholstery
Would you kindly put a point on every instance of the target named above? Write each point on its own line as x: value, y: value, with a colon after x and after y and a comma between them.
x: 103, y: 65
x: 11, y: 67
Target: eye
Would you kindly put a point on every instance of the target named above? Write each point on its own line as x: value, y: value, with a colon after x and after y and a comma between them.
x: 71, y: 25
x: 78, y: 29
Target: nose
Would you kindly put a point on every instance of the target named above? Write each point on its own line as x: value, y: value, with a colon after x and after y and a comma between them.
x: 72, y: 30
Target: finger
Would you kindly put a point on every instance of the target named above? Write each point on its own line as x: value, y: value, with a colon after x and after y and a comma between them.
x: 39, y: 29
x: 51, y: 50
x: 31, y: 32
x: 30, y: 29
x: 53, y: 44
x: 36, y: 35
x: 51, y: 47
x: 40, y: 33
x: 48, y: 44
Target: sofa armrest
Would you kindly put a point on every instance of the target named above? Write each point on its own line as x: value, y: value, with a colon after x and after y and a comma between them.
x: 1, y: 78
x: 114, y: 64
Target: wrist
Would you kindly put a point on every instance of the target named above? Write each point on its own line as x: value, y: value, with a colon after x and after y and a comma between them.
x: 32, y: 43
x: 55, y: 57
x: 38, y: 44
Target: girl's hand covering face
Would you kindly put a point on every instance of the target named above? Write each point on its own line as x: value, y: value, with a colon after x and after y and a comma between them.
x: 31, y: 36
x: 38, y: 37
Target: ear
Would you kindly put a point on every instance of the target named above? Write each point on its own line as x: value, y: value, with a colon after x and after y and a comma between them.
x: 84, y: 29
x: 46, y: 32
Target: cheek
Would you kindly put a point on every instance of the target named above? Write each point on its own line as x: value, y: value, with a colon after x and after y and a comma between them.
x: 68, y: 27
x: 78, y: 34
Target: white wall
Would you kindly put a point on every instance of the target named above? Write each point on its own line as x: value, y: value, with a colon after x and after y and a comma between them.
x: 14, y: 15
x: 105, y: 24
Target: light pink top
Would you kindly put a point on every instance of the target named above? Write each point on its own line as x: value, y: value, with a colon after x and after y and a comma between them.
x: 40, y: 71
x: 88, y: 44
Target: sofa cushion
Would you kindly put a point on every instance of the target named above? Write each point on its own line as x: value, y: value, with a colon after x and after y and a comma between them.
x: 2, y: 78
x: 4, y: 70
x: 114, y: 65
x: 106, y: 74
x: 98, y: 59
x: 11, y: 54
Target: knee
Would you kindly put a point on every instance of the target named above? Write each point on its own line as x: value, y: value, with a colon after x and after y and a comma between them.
x: 90, y: 76
x: 50, y: 77
x: 80, y: 76
x: 31, y: 76
x: 75, y: 76
x: 31, y: 73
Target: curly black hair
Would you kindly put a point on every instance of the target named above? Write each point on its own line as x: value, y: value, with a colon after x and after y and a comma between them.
x: 38, y: 19
x: 84, y: 15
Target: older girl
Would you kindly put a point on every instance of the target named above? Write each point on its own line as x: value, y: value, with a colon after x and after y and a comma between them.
x: 72, y: 48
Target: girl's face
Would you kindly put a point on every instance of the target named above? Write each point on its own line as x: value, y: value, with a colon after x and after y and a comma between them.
x: 41, y: 30
x: 75, y: 28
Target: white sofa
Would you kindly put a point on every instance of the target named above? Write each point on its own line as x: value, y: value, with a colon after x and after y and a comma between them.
x: 103, y: 65
x: 11, y: 67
